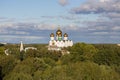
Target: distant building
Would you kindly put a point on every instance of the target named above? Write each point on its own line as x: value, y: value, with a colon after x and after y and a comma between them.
x: 3, y: 43
x: 118, y: 44
x: 21, y: 47
x: 59, y: 41
x: 7, y: 52
x: 27, y: 48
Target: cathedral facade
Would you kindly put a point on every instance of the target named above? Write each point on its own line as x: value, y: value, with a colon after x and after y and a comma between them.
x: 59, y: 41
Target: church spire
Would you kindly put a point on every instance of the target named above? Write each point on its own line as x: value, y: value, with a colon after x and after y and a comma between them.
x: 21, y: 46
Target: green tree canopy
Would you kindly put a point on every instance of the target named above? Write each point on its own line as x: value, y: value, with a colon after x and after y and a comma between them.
x: 82, y: 50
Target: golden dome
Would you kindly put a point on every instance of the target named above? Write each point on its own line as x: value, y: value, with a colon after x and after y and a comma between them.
x: 65, y: 35
x: 52, y: 35
x: 59, y: 32
x: 60, y: 35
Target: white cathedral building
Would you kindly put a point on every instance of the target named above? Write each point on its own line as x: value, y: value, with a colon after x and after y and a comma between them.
x: 59, y: 41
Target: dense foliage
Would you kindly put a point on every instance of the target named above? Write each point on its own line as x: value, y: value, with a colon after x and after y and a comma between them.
x: 85, y: 62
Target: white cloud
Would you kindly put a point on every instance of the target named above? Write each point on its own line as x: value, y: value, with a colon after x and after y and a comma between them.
x: 13, y: 32
x: 63, y: 17
x: 104, y: 0
x: 109, y: 16
x: 17, y: 39
x: 100, y: 33
x: 94, y: 6
x: 39, y: 32
x: 70, y: 27
x: 45, y: 26
x: 26, y: 37
x: 63, y: 2
x: 116, y: 28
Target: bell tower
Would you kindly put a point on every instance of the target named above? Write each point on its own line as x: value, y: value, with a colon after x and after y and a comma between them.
x: 21, y: 46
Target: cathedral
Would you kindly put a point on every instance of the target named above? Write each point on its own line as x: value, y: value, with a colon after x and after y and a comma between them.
x: 59, y: 41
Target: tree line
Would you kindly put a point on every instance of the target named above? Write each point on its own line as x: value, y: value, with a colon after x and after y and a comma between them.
x: 85, y: 62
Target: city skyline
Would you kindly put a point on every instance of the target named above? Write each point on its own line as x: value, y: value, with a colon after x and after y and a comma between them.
x: 32, y: 21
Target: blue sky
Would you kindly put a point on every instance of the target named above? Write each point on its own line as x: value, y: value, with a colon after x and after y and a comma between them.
x: 90, y: 21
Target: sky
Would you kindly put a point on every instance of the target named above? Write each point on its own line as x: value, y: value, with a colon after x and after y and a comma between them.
x: 32, y: 21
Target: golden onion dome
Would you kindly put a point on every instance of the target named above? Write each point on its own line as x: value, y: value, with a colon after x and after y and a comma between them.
x: 52, y: 35
x: 59, y: 32
x: 65, y: 35
x: 60, y: 35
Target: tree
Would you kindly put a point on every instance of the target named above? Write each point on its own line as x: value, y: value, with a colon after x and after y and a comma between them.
x: 26, y: 69
x: 0, y: 73
x: 2, y: 50
x: 31, y: 53
x: 107, y: 55
x: 22, y: 55
x: 18, y: 76
x: 1, y: 44
x: 85, y: 51
x: 107, y: 73
x: 7, y: 63
x: 50, y: 62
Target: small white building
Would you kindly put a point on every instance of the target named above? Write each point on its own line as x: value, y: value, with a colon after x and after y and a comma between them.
x: 27, y: 48
x: 59, y: 41
x: 118, y: 44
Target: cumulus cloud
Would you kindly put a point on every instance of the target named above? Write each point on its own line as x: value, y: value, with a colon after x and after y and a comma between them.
x: 109, y: 16
x: 112, y: 15
x: 63, y: 17
x: 30, y: 32
x: 27, y: 37
x: 5, y: 19
x: 98, y: 6
x: 25, y: 28
x: 103, y: 28
x: 45, y: 26
x: 13, y: 32
x: 1, y: 18
x: 71, y: 27
x: 63, y: 2
x: 17, y: 39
